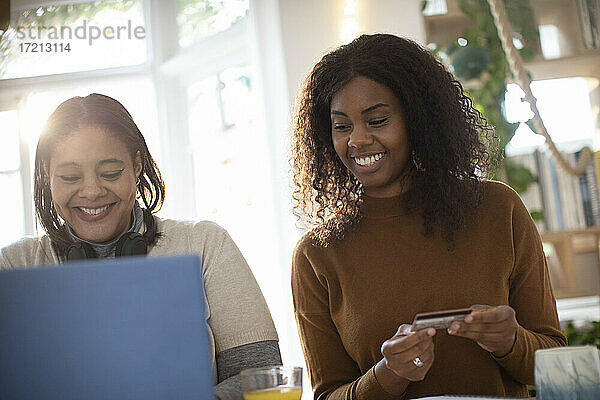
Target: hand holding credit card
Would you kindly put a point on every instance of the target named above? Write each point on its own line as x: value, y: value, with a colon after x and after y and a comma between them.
x: 439, y: 319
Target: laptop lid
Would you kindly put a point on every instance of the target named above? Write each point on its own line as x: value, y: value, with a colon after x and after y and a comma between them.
x: 130, y: 328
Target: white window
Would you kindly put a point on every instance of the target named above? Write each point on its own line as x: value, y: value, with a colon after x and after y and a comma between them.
x: 568, y: 117
x: 11, y: 178
x: 104, y: 56
x: 192, y: 86
x: 199, y: 19
x: 78, y: 36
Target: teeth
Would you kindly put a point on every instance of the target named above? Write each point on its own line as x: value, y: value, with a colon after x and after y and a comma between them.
x: 93, y: 211
x: 368, y: 161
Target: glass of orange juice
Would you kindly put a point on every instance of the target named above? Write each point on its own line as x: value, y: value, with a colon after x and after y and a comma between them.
x: 272, y: 383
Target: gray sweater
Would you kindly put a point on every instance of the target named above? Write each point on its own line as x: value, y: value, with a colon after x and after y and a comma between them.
x: 240, y: 326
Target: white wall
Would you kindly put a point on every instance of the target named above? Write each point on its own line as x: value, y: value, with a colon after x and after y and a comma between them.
x: 310, y: 28
x: 301, y: 32
x: 400, y: 17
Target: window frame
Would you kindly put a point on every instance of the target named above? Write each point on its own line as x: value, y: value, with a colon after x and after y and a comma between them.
x: 171, y: 70
x: 23, y: 170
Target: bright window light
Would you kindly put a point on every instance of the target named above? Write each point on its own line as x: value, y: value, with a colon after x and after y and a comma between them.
x: 549, y: 41
x: 349, y: 29
x: 11, y: 201
x: 230, y: 160
x: 11, y: 208
x: 350, y: 7
x: 435, y: 7
x: 73, y: 37
x: 564, y: 106
x: 9, y: 150
x: 199, y: 19
x: 517, y: 43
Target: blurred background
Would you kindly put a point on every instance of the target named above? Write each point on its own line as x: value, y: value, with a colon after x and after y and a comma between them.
x: 212, y: 85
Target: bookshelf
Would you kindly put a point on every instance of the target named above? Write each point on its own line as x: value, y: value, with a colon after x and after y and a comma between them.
x: 578, y: 56
x: 586, y: 65
x: 571, y: 206
x: 578, y: 259
x: 570, y: 228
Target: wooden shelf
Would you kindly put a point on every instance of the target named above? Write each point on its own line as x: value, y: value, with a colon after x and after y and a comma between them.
x: 587, y: 65
x: 575, y: 267
x: 456, y: 17
x: 575, y: 60
x: 446, y: 28
x: 553, y: 236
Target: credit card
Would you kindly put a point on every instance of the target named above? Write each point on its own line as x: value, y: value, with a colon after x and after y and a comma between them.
x: 439, y: 319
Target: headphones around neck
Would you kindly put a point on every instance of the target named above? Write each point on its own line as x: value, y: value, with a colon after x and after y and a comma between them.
x: 130, y: 244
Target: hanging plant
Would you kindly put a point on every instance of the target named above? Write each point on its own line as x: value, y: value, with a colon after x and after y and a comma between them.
x: 469, y: 62
x: 482, y: 66
x: 489, y: 95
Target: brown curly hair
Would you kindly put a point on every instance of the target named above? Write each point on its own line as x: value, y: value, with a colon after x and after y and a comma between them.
x: 450, y: 141
x: 76, y: 113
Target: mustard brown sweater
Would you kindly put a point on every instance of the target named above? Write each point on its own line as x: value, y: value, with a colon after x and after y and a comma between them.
x: 351, y: 296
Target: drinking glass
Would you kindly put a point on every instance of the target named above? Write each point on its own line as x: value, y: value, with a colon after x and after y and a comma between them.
x: 272, y: 383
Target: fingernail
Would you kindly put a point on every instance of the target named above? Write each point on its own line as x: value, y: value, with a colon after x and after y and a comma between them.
x: 451, y: 331
x: 431, y: 331
x: 468, y: 318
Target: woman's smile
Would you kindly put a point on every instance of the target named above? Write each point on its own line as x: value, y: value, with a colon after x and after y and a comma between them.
x: 369, y: 135
x: 94, y: 191
x: 93, y: 214
x: 369, y: 162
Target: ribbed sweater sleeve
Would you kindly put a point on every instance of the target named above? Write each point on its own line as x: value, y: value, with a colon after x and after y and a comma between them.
x: 233, y: 361
x: 332, y: 371
x: 530, y: 281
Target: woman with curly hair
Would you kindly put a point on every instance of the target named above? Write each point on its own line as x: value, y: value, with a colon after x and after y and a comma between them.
x: 390, y: 161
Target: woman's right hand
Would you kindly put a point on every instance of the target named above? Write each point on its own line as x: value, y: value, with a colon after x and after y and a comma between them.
x: 409, y: 355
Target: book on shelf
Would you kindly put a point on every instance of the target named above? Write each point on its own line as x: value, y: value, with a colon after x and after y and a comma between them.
x: 568, y: 202
x: 590, y: 192
x: 594, y: 185
x: 588, y: 12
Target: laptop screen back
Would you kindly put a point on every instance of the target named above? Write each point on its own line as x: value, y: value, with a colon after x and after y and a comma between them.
x: 131, y: 328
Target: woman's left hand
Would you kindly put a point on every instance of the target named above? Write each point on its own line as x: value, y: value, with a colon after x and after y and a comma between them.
x: 493, y: 328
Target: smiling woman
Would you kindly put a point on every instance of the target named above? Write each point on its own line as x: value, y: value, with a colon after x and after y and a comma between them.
x: 390, y: 163
x: 91, y: 164
x: 369, y: 136
x: 91, y: 161
x: 94, y: 195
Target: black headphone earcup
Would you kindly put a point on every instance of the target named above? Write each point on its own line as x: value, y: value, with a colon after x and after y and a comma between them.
x: 80, y: 251
x: 131, y: 244
x: 151, y: 228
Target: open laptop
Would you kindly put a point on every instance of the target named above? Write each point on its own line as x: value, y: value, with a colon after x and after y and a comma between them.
x: 131, y: 328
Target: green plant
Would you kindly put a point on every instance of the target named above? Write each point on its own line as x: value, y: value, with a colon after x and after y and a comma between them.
x: 489, y: 94
x: 587, y: 334
x: 197, y: 19
x: 480, y: 63
x: 52, y: 16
